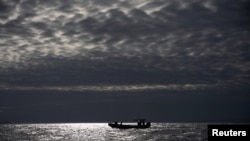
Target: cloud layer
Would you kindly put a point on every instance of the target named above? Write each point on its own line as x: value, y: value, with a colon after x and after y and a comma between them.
x: 116, y: 41
x: 113, y: 88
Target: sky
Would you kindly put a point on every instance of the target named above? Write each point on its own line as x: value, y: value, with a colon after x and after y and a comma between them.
x: 173, y: 60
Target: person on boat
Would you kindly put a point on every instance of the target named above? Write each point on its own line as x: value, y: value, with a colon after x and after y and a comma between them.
x: 141, y: 122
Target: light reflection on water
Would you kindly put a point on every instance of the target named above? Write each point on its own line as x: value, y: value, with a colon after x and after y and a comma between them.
x: 101, y: 131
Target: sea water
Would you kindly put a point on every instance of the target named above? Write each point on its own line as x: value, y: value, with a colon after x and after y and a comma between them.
x: 102, y: 132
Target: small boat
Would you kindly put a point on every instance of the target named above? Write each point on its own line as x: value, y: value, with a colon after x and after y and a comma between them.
x: 141, y: 124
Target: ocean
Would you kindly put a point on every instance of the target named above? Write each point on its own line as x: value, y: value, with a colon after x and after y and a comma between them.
x: 102, y: 132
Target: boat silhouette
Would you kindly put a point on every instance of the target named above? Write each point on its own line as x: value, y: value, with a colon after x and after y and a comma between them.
x: 141, y: 124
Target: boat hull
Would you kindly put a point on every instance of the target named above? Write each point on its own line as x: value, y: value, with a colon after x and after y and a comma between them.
x: 128, y: 126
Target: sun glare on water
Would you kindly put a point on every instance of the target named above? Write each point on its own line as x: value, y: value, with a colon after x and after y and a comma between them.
x: 79, y: 131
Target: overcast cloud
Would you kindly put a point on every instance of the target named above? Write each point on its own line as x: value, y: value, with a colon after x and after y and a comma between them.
x: 73, y: 42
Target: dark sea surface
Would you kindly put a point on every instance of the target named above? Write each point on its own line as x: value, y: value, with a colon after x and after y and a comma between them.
x: 102, y: 132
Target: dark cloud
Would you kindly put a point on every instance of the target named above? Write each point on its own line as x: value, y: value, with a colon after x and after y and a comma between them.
x: 124, y: 41
x: 4, y: 9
